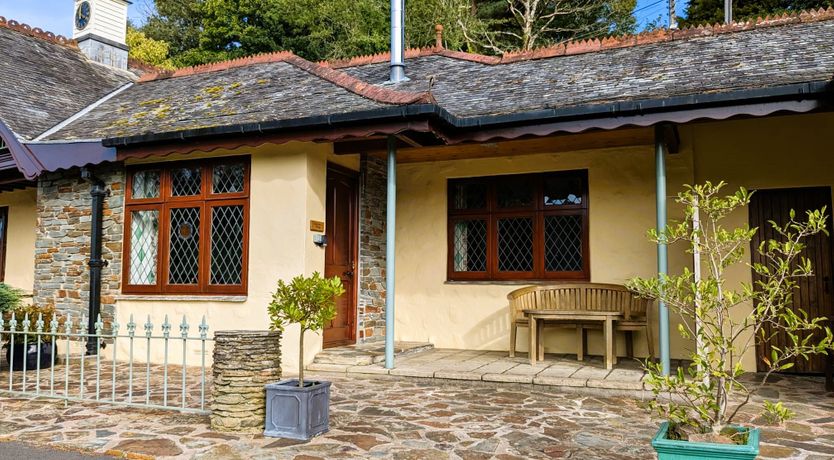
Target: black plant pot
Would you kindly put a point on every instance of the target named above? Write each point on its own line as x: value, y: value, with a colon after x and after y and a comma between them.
x: 29, y: 352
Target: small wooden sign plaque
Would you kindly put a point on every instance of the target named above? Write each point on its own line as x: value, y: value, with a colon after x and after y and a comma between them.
x: 316, y: 226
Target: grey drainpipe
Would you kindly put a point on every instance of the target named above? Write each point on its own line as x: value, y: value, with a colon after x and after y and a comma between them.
x: 98, y: 193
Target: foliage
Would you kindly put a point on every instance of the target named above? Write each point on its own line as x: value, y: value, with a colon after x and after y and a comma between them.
x: 201, y: 31
x: 715, y: 314
x: 309, y: 302
x: 10, y: 298
x: 777, y: 413
x: 712, y: 11
x: 33, y: 314
x: 147, y: 50
x: 512, y: 25
x: 176, y: 22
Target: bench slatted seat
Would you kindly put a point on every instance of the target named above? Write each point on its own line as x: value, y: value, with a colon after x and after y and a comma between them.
x: 581, y: 296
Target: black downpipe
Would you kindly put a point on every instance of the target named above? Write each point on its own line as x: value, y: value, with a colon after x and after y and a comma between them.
x: 98, y: 193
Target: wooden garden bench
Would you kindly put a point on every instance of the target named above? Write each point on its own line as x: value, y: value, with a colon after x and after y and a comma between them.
x: 580, y: 297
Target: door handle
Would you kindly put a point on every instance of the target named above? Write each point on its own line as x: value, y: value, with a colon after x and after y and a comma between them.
x: 348, y: 273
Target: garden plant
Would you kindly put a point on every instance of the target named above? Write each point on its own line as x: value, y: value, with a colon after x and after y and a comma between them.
x: 309, y: 302
x: 726, y: 321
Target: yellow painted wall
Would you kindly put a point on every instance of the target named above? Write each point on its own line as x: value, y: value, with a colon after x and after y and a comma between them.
x: 287, y: 191
x: 787, y: 151
x: 778, y: 152
x: 475, y: 315
x: 20, y: 236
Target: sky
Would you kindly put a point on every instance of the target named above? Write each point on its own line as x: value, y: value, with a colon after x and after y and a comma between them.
x: 56, y: 15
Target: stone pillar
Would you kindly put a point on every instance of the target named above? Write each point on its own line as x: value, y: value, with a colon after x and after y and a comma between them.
x: 371, y: 305
x: 244, y: 361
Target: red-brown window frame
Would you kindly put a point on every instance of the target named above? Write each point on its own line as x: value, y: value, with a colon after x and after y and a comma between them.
x: 206, y: 202
x: 491, y: 213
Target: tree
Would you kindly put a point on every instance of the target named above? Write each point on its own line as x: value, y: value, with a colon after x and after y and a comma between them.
x: 200, y: 31
x: 703, y: 396
x: 176, y: 22
x: 309, y: 302
x: 712, y: 11
x: 147, y: 50
x: 513, y: 25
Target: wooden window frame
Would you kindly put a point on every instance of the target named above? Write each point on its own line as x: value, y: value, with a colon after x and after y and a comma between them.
x: 206, y: 201
x: 538, y: 211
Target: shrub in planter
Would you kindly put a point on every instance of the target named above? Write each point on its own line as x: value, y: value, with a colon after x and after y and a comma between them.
x: 726, y: 321
x: 297, y: 408
x: 24, y: 346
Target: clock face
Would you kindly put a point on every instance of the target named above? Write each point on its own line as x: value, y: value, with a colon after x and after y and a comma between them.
x: 82, y: 15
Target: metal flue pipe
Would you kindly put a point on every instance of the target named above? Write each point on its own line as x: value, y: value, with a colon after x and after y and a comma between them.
x: 397, y: 41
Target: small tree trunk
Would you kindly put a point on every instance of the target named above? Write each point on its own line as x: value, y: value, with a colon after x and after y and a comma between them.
x: 301, y: 360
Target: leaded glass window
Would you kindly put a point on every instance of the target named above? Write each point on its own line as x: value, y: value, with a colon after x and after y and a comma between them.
x: 526, y: 226
x: 144, y: 246
x: 186, y: 181
x: 515, y: 244
x: 228, y: 178
x: 470, y: 245
x: 186, y: 230
x: 184, y: 246
x: 226, y: 245
x: 145, y: 184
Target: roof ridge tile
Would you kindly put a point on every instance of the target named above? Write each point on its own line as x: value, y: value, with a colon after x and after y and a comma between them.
x: 662, y: 35
x: 332, y: 75
x: 37, y: 32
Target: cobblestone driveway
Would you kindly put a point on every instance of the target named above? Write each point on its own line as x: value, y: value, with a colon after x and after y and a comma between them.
x: 416, y: 419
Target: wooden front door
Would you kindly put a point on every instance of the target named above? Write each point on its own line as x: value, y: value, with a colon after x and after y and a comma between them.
x: 814, y: 294
x: 341, y: 229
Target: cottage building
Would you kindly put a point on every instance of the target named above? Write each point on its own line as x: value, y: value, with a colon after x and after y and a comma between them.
x: 532, y: 167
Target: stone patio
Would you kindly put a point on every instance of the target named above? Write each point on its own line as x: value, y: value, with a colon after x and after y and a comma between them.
x: 411, y: 419
x: 557, y: 370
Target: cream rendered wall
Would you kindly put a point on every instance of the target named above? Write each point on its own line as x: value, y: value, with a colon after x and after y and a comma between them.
x: 287, y: 191
x: 475, y: 315
x: 778, y: 152
x: 20, y: 238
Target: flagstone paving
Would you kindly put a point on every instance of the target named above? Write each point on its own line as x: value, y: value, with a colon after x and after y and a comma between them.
x: 399, y: 418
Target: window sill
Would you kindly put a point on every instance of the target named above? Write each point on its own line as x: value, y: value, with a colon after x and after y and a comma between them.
x: 183, y: 298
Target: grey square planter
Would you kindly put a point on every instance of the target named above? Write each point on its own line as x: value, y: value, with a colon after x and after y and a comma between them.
x: 297, y: 413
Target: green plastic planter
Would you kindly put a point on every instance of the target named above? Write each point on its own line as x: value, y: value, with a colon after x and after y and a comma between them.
x: 668, y: 449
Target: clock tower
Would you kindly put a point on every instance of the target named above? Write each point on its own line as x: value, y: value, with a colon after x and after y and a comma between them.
x: 100, y: 28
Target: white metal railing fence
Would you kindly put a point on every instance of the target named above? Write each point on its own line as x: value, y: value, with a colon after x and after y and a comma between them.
x: 43, y: 373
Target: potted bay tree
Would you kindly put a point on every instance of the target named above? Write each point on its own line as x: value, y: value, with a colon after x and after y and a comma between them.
x: 299, y: 408
x: 726, y: 321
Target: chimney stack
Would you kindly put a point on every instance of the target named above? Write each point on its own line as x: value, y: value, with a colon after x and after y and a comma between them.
x: 397, y: 66
x: 100, y: 28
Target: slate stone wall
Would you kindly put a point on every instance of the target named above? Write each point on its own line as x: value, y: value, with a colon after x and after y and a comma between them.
x: 372, y: 215
x: 62, y: 241
x: 244, y: 362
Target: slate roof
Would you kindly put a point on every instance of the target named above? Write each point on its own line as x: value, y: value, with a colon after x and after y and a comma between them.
x: 264, y: 88
x: 748, y: 59
x: 45, y: 79
x: 280, y: 86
